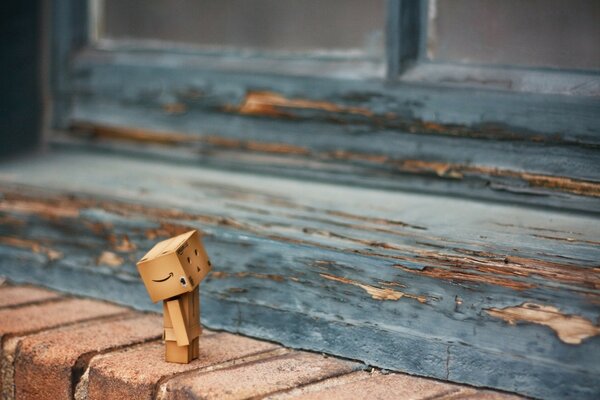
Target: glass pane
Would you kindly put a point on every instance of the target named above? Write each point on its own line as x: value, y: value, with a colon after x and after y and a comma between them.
x: 272, y: 25
x: 542, y: 33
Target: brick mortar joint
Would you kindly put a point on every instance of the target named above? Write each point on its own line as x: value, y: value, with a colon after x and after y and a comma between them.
x: 35, y: 302
x: 11, y: 345
x: 160, y: 387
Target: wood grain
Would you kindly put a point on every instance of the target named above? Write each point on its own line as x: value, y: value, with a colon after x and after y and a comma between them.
x: 488, y: 144
x: 423, y: 284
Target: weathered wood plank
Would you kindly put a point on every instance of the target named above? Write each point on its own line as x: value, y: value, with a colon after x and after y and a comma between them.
x: 423, y: 284
x: 567, y: 184
x: 516, y: 147
x: 117, y: 76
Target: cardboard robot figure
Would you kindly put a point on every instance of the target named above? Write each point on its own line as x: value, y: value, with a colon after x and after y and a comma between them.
x: 172, y: 271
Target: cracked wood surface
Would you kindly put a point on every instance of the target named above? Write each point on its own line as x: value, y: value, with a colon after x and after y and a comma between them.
x: 430, y: 285
x: 494, y: 145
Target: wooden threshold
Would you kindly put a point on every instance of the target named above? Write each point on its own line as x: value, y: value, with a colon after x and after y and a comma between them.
x: 481, y: 293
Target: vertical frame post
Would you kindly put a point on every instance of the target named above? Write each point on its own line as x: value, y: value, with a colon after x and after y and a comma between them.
x: 403, y: 34
x: 69, y: 33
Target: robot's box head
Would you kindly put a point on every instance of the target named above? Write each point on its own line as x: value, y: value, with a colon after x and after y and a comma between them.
x: 174, y: 266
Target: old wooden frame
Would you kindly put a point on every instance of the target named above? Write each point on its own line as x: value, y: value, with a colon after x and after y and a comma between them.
x: 472, y: 137
x: 487, y: 294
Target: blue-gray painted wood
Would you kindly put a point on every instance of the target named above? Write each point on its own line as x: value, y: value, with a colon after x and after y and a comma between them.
x: 301, y: 262
x: 69, y: 32
x: 298, y: 261
x: 403, y: 30
x: 497, y: 137
x: 483, y: 118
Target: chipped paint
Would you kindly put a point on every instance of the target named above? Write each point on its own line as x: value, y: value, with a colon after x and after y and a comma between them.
x: 454, y: 171
x: 47, y: 209
x: 34, y: 246
x: 263, y: 147
x: 174, y: 108
x: 275, y: 105
x: 165, y: 230
x: 245, y: 274
x: 571, y: 329
x: 264, y: 103
x: 480, y: 267
x: 109, y: 258
x: 461, y: 276
x: 375, y: 292
x: 459, y: 171
x: 373, y: 220
x: 122, y: 244
x: 137, y: 135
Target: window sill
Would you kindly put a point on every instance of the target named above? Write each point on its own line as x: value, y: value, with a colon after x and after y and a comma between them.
x: 424, y: 284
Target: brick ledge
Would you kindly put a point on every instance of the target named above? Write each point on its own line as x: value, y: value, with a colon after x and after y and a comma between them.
x: 56, y: 346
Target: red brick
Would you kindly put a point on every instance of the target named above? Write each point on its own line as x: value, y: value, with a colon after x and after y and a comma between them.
x: 467, y: 393
x: 391, y: 386
x: 11, y: 296
x: 378, y: 386
x: 32, y: 318
x: 135, y: 373
x: 256, y: 379
x: 47, y: 363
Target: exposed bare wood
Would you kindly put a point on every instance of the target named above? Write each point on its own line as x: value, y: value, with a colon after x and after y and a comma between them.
x: 109, y: 258
x: 571, y: 329
x: 32, y: 245
x: 452, y: 171
x: 272, y: 104
x: 375, y: 292
x: 320, y: 266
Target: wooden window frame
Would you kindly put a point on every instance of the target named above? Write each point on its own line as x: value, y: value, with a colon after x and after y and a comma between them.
x: 495, y: 133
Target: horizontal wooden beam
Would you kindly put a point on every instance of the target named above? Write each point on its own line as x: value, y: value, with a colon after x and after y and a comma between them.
x: 567, y: 189
x: 488, y: 144
x: 431, y: 285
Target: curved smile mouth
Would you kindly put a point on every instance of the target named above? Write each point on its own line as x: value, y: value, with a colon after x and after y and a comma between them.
x: 162, y: 280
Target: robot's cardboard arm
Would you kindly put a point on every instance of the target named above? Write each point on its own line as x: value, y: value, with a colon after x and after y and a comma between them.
x: 179, y: 326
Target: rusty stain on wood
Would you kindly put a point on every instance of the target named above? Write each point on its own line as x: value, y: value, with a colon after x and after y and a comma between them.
x: 571, y: 329
x: 34, y: 246
x: 109, y: 258
x: 375, y: 292
x: 264, y: 103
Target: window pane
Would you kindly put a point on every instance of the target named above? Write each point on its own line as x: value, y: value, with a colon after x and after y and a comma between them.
x: 272, y: 25
x: 543, y: 33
